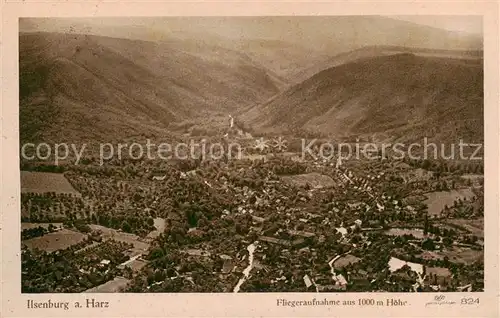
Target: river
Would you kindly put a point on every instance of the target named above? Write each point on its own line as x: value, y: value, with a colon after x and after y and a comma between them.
x: 333, y: 260
x: 246, y: 272
x: 332, y: 270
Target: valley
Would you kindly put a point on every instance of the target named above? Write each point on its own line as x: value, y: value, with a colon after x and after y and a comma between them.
x: 274, y: 218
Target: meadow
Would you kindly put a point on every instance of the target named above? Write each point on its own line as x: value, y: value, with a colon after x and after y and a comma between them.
x: 44, y: 182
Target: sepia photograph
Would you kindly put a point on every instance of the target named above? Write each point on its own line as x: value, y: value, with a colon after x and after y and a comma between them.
x: 251, y: 154
x: 250, y: 159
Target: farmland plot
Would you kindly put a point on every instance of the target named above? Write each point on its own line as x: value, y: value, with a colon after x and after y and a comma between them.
x: 475, y: 226
x: 315, y: 180
x: 436, y: 201
x: 43, y: 182
x: 458, y: 255
x: 108, y: 233
x: 55, y: 241
x: 113, y: 286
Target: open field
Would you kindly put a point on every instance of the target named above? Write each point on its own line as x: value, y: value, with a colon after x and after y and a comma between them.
x: 107, y: 233
x: 475, y: 227
x: 462, y: 255
x: 345, y: 261
x: 159, y: 224
x: 475, y: 179
x: 439, y: 271
x: 417, y: 233
x: 436, y: 201
x: 43, y: 182
x: 315, y: 180
x: 134, y: 263
x: 112, y: 286
x: 55, y: 241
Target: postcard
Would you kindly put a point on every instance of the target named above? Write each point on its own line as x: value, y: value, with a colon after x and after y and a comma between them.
x: 250, y: 159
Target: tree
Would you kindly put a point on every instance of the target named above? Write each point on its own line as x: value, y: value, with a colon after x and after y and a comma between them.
x: 447, y: 241
x: 159, y: 275
x: 444, y: 186
x: 426, y: 164
x: 82, y: 227
x: 426, y: 224
x: 428, y: 244
x: 126, y: 227
x: 202, y: 222
x: 150, y: 221
x: 446, y: 261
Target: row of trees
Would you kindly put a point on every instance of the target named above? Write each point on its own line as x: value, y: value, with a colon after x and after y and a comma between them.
x: 39, y: 231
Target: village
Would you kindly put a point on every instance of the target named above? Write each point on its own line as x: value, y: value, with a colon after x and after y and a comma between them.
x: 266, y: 224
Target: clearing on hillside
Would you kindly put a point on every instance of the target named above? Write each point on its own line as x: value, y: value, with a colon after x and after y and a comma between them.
x: 475, y: 226
x: 436, y: 201
x: 44, y: 182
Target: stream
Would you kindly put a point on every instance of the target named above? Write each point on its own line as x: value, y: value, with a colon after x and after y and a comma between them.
x: 332, y: 270
x: 246, y: 272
